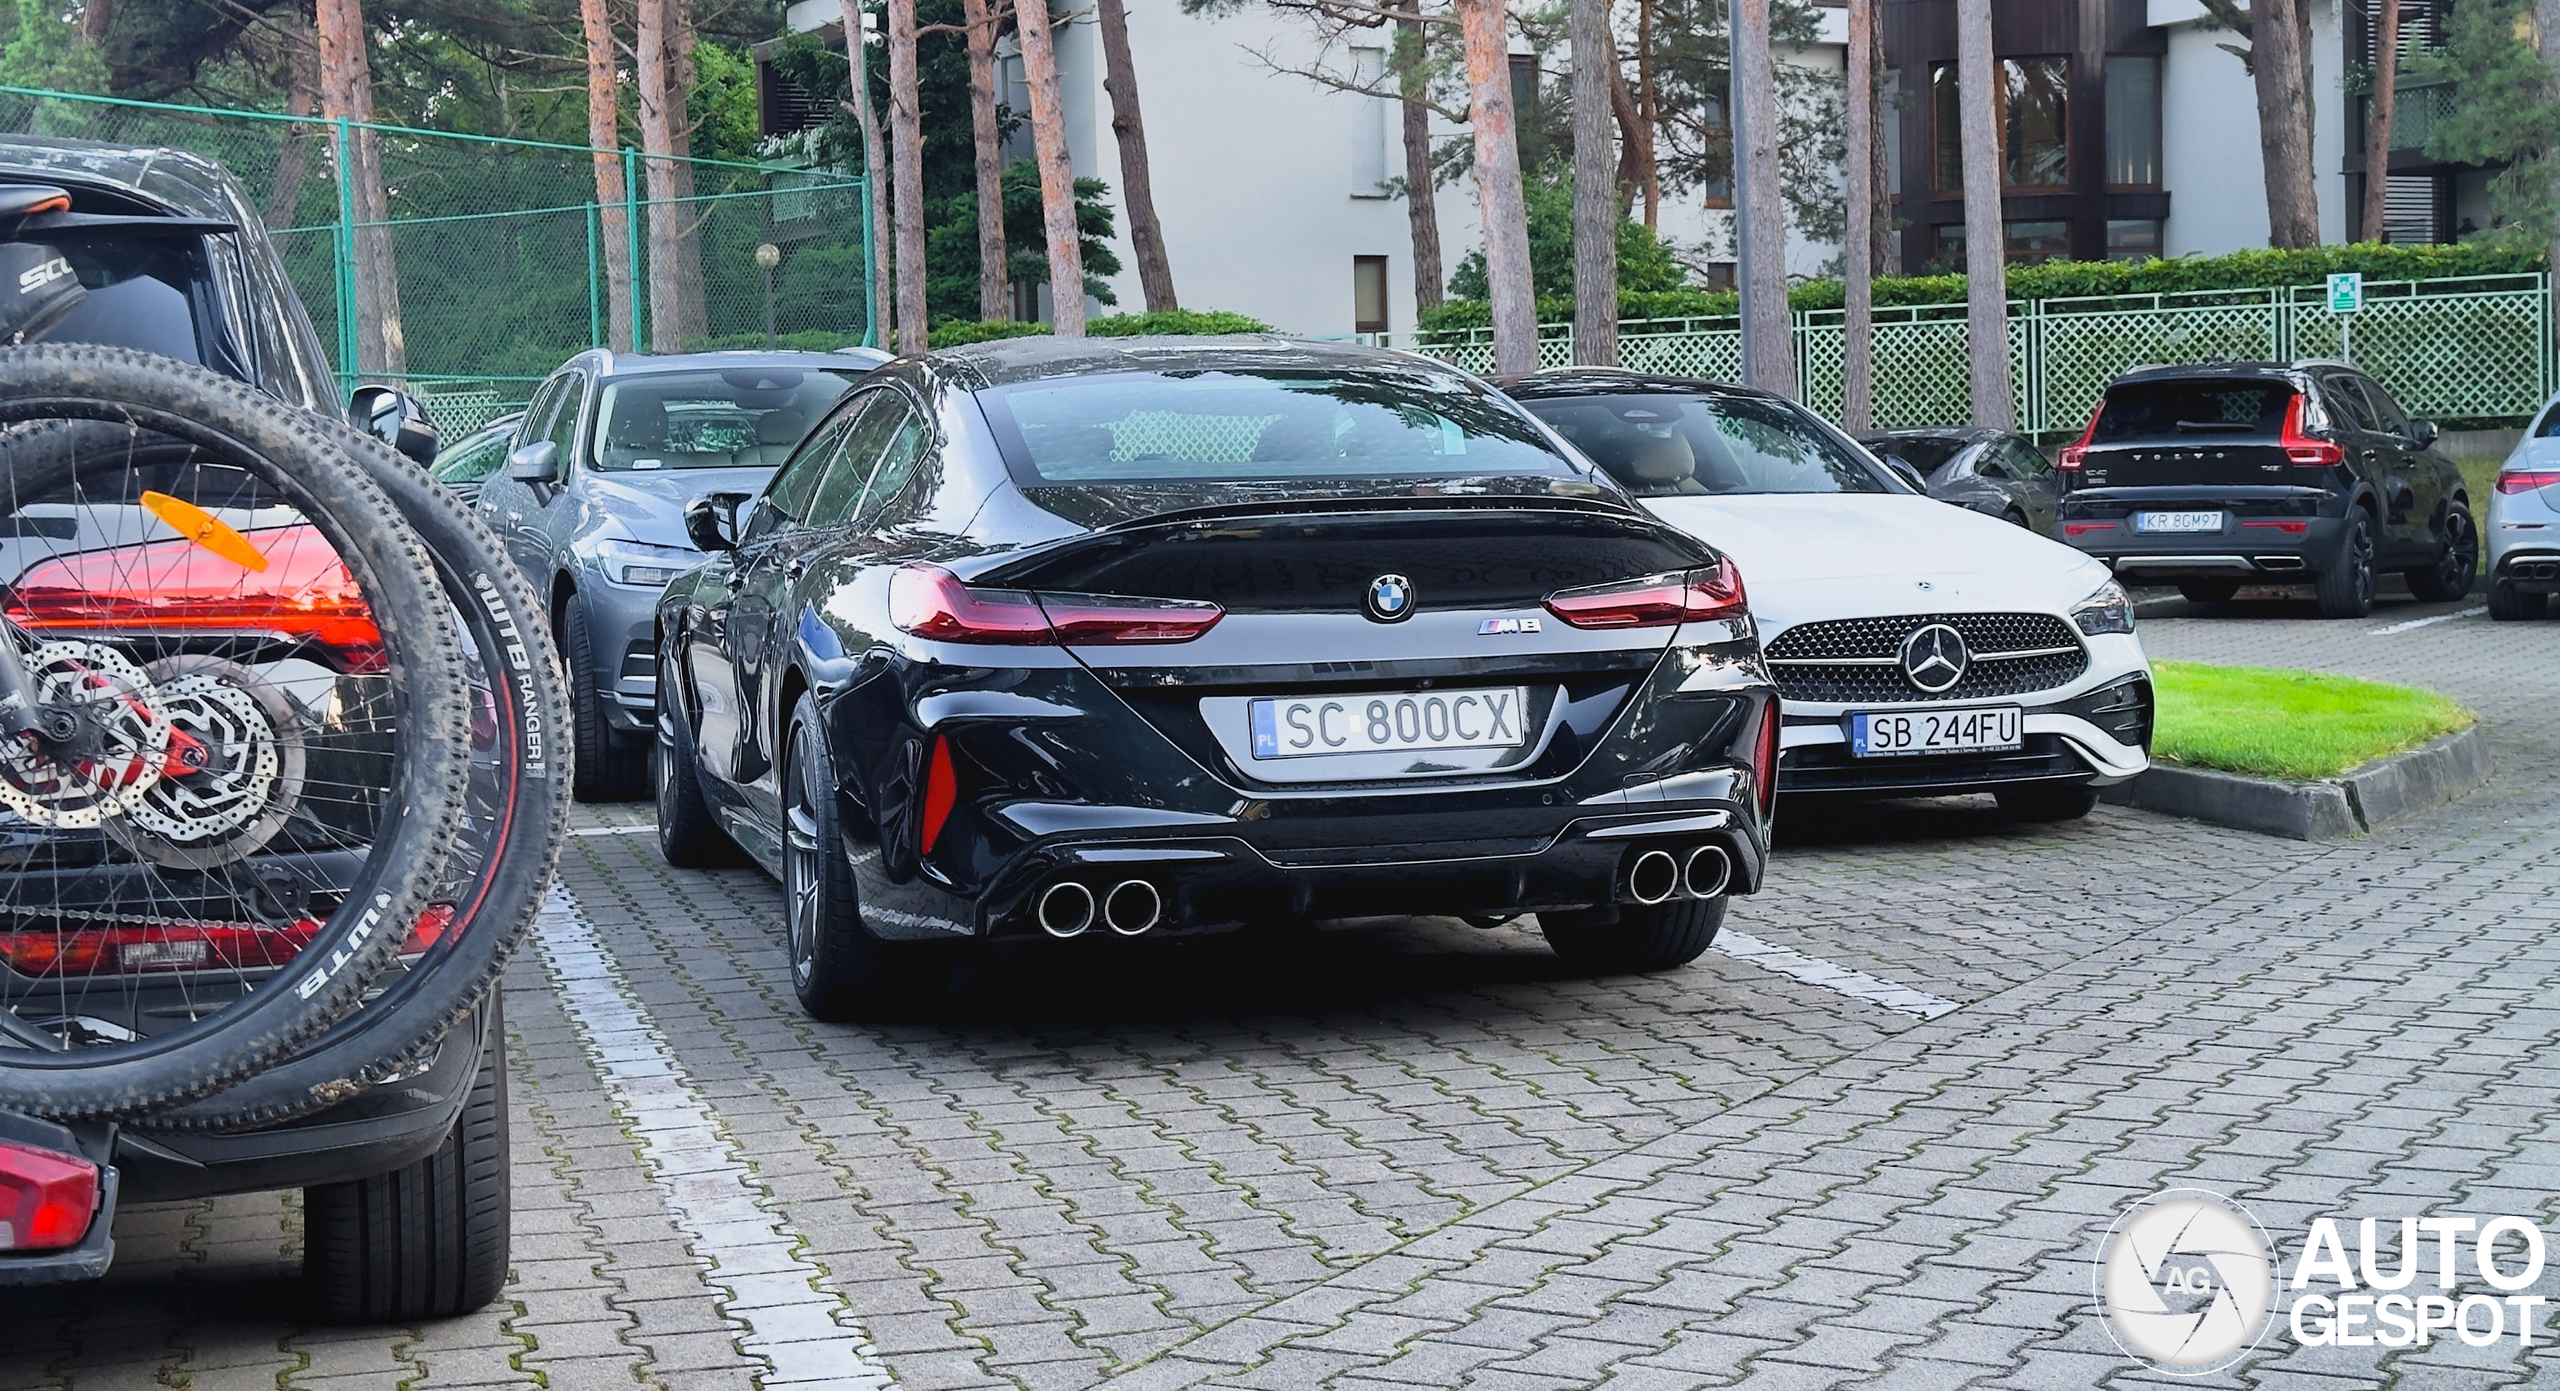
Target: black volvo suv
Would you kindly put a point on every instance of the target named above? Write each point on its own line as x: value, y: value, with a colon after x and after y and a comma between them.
x: 2216, y: 475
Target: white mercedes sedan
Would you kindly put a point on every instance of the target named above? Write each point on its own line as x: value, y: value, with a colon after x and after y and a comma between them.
x: 1922, y: 650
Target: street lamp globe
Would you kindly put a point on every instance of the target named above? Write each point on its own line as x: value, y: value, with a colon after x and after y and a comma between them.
x: 768, y: 256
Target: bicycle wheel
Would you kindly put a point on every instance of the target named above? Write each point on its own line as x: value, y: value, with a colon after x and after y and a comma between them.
x: 503, y: 853
x: 233, y: 734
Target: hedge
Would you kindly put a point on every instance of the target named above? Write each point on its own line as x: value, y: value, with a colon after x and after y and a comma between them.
x: 2240, y: 270
x: 1171, y: 322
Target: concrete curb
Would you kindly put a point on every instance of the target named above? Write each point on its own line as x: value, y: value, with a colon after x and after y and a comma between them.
x: 2349, y: 806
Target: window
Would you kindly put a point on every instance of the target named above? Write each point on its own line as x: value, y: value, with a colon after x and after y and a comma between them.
x: 675, y: 420
x: 2034, y: 125
x: 2030, y: 242
x: 473, y: 459
x: 2133, y: 122
x: 1524, y: 88
x: 564, y: 426
x: 1368, y: 126
x: 786, y: 499
x: 1369, y: 294
x: 1889, y: 130
x: 885, y: 420
x: 2025, y: 461
x: 1946, y: 247
x: 898, y: 459
x: 1688, y: 444
x: 2133, y: 239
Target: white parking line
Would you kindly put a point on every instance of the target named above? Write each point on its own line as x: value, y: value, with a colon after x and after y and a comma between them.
x: 615, y: 831
x: 2422, y: 622
x: 1813, y: 970
x: 796, y: 1322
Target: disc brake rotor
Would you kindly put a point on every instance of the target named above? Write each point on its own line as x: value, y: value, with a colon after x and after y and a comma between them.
x: 250, y: 745
x: 117, y: 750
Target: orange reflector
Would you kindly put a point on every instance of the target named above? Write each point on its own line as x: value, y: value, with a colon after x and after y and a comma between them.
x: 941, y: 791
x: 205, y: 529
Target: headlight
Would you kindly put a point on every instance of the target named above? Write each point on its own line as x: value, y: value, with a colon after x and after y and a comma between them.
x: 640, y: 563
x: 2110, y: 610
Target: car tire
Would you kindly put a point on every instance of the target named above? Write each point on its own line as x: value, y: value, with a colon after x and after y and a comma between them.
x: 428, y: 1241
x: 605, y: 773
x: 2345, y: 585
x: 2044, y: 803
x: 2451, y: 577
x: 1643, y: 939
x: 689, y: 837
x: 2209, y: 591
x: 841, y: 972
x: 2507, y: 605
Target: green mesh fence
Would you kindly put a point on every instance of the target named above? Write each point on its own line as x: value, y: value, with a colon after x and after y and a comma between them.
x: 500, y: 249
x: 2473, y: 350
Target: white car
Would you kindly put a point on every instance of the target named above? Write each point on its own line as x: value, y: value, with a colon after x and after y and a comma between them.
x: 1921, y: 649
x: 2524, y: 523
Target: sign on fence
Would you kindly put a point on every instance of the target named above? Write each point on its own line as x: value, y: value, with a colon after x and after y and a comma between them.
x: 2346, y: 292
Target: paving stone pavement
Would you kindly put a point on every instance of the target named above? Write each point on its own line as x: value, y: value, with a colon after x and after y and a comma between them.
x: 1418, y: 1154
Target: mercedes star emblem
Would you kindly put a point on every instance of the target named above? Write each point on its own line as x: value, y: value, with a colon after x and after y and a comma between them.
x: 1390, y: 598
x: 1934, y: 658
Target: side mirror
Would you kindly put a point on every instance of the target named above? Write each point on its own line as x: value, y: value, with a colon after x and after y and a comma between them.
x: 537, y: 462
x: 1903, y: 470
x: 2424, y: 432
x: 393, y: 417
x: 711, y: 521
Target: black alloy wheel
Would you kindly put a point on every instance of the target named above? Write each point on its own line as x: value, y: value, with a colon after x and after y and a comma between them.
x: 2451, y: 576
x: 2345, y: 588
x: 689, y: 836
x: 607, y: 771
x: 840, y: 971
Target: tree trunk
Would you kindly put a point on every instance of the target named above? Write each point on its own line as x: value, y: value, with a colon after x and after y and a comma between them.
x: 1857, y: 242
x: 2377, y: 134
x: 655, y: 62
x: 1649, y: 107
x: 96, y: 17
x: 1760, y: 216
x: 995, y: 273
x: 875, y: 187
x: 604, y: 135
x: 1879, y: 162
x: 1421, y: 183
x: 693, y: 312
x: 1635, y: 143
x: 2546, y: 30
x: 1985, y: 235
x: 293, y: 163
x: 1595, y: 192
x: 1500, y: 204
x: 346, y: 92
x: 1057, y: 174
x: 906, y: 164
x: 2281, y: 65
x: 1137, y: 192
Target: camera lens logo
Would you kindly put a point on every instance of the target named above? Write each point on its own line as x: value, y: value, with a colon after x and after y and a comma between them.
x: 2186, y: 1280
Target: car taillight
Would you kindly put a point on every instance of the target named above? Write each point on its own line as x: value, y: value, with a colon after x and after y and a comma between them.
x: 46, y: 1198
x: 2075, y: 455
x: 2081, y: 528
x: 1710, y: 591
x: 303, y: 592
x: 2288, y: 528
x: 931, y: 602
x: 113, y: 951
x: 2526, y: 480
x: 2303, y: 450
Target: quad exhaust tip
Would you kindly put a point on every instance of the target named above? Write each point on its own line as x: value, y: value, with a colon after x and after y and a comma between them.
x: 1065, y: 908
x: 1653, y: 878
x: 1132, y: 907
x: 1708, y: 871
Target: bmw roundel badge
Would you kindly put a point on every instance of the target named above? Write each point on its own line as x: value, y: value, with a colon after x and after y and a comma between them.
x: 1389, y: 599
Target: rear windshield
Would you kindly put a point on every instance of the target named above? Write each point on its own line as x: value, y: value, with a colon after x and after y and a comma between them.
x: 2186, y: 410
x: 1923, y: 452
x: 1240, y: 425
x: 1670, y: 445
x: 738, y: 415
x: 140, y: 293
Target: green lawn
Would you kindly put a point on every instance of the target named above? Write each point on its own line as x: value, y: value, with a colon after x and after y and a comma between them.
x: 2481, y: 476
x: 2301, y: 725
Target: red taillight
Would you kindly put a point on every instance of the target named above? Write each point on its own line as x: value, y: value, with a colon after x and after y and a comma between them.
x: 2288, y: 528
x: 1764, y: 757
x: 46, y: 1198
x: 931, y: 602
x: 182, y: 588
x: 1710, y: 591
x: 2304, y: 451
x: 2079, y: 528
x: 2074, y: 455
x: 941, y: 793
x: 113, y: 951
x: 2526, y: 480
